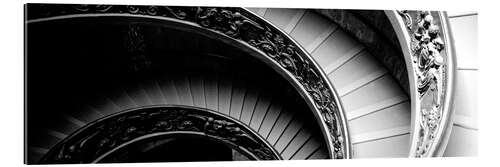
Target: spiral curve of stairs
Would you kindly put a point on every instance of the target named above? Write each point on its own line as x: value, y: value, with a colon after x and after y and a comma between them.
x: 376, y: 106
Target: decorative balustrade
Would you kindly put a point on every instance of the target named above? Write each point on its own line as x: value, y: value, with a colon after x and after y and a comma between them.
x: 426, y: 43
x: 96, y: 141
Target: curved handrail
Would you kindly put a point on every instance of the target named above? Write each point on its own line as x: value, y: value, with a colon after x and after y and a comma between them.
x: 100, y: 138
x: 342, y: 126
x: 244, y: 26
x: 427, y: 46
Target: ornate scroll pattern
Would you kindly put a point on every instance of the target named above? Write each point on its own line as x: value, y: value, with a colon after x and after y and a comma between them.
x: 96, y: 139
x: 239, y: 24
x: 429, y: 65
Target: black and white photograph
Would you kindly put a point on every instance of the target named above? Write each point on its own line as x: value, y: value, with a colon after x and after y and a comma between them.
x: 166, y: 83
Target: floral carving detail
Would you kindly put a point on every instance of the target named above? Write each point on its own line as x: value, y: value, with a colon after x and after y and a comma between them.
x: 97, y: 139
x: 239, y: 24
x: 221, y: 20
x: 426, y: 46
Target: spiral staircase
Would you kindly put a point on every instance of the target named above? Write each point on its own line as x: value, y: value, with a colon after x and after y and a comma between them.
x: 196, y: 71
x: 377, y: 108
x: 215, y: 86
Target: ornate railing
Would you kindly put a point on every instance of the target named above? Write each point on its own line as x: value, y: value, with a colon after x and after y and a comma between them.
x: 99, y: 139
x: 430, y: 58
x: 242, y: 25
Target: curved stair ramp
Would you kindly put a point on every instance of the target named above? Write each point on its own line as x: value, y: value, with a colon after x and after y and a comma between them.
x: 275, y: 112
x: 377, y: 108
x: 239, y: 95
x: 378, y: 111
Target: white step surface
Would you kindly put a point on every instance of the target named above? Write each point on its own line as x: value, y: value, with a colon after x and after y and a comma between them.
x: 464, y: 135
x: 376, y: 107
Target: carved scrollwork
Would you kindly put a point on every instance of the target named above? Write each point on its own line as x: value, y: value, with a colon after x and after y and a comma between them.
x: 96, y: 139
x: 429, y: 64
x: 96, y: 8
x: 239, y: 24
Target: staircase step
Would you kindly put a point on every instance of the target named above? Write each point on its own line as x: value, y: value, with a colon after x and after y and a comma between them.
x: 284, y: 119
x: 321, y: 153
x: 258, y: 11
x: 337, y: 49
x: 374, y: 92
x: 261, y: 110
x: 283, y: 18
x: 122, y: 99
x: 197, y: 90
x: 211, y: 91
x: 272, y: 116
x: 396, y: 146
x: 153, y: 92
x: 463, y: 142
x: 184, y: 90
x: 238, y: 96
x: 307, y: 149
x: 138, y: 96
x: 388, y: 118
x: 311, y: 30
x: 290, y: 132
x: 378, y: 135
x: 350, y: 115
x: 249, y: 104
x: 298, y: 141
x: 56, y: 134
x: 355, y: 73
